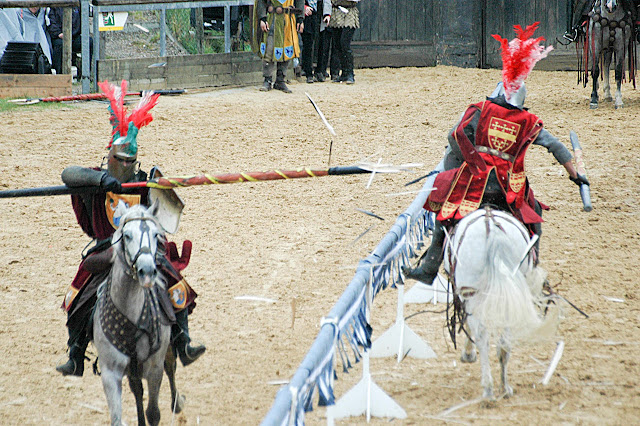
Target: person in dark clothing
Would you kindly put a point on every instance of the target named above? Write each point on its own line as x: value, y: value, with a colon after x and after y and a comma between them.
x: 55, y: 31
x: 317, y: 16
x: 345, y: 19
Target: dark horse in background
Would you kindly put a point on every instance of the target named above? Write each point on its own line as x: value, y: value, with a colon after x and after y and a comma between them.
x: 609, y: 35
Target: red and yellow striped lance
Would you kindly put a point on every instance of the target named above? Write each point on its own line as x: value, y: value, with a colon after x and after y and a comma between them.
x: 207, y: 179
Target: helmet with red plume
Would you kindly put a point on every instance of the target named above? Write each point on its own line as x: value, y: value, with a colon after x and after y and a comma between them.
x: 519, y: 56
x: 123, y: 145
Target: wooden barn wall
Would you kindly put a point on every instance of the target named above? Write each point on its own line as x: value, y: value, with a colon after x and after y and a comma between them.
x: 459, y: 32
x: 454, y: 32
x: 395, y: 33
x: 552, y: 15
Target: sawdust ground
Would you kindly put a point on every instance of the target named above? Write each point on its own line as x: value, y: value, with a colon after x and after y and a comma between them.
x: 293, y: 240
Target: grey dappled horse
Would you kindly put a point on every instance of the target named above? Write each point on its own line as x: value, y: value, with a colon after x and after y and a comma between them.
x: 130, y: 329
x: 489, y: 260
x: 609, y: 33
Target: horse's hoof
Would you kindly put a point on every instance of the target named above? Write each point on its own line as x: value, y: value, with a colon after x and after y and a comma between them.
x: 619, y: 106
x: 488, y: 402
x: 508, y: 391
x: 179, y: 403
x: 593, y: 105
x: 468, y: 357
x: 609, y: 99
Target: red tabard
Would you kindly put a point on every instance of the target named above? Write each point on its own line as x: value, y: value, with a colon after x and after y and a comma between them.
x: 501, y: 141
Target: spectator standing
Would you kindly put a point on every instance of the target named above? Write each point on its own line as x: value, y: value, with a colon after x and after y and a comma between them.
x: 345, y: 19
x: 33, y: 28
x: 276, y: 38
x: 55, y: 31
x: 315, y: 29
x: 9, y: 27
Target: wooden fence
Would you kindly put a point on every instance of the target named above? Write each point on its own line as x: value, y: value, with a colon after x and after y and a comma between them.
x: 392, y: 33
x: 454, y: 32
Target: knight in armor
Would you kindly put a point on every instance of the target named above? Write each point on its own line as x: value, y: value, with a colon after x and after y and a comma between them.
x: 98, y: 213
x: 484, y: 160
x: 275, y: 38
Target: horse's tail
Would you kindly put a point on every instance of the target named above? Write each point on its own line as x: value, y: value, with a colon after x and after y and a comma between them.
x: 511, y: 302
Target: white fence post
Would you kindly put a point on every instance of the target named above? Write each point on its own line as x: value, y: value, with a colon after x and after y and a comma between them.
x: 438, y: 291
x: 400, y: 339
x: 365, y: 397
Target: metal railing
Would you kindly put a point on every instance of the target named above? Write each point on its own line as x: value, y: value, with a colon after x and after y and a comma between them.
x: 89, y: 69
x: 140, y: 5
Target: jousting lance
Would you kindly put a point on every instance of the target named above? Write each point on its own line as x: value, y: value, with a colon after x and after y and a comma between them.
x: 207, y: 179
x: 88, y: 97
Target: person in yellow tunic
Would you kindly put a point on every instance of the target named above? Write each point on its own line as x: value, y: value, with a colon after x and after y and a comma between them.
x: 275, y: 38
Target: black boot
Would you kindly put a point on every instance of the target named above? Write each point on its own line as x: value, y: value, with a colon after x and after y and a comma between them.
x: 427, y: 269
x: 280, y: 84
x: 77, y: 326
x: 266, y: 85
x: 181, y: 340
x: 347, y: 68
x: 425, y: 272
x: 75, y: 365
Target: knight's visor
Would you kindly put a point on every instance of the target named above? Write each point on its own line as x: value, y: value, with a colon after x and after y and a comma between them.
x: 125, y: 160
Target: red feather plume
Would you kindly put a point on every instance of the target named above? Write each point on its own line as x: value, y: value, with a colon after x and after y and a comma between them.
x: 519, y: 56
x: 140, y: 116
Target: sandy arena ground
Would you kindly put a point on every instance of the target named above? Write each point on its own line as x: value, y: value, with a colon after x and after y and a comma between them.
x: 294, y: 240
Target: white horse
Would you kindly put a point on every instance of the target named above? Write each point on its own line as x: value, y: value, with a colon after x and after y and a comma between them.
x: 131, y: 330
x: 609, y: 33
x: 488, y: 257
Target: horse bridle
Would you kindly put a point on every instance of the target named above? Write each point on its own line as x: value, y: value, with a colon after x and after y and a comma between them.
x: 144, y: 228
